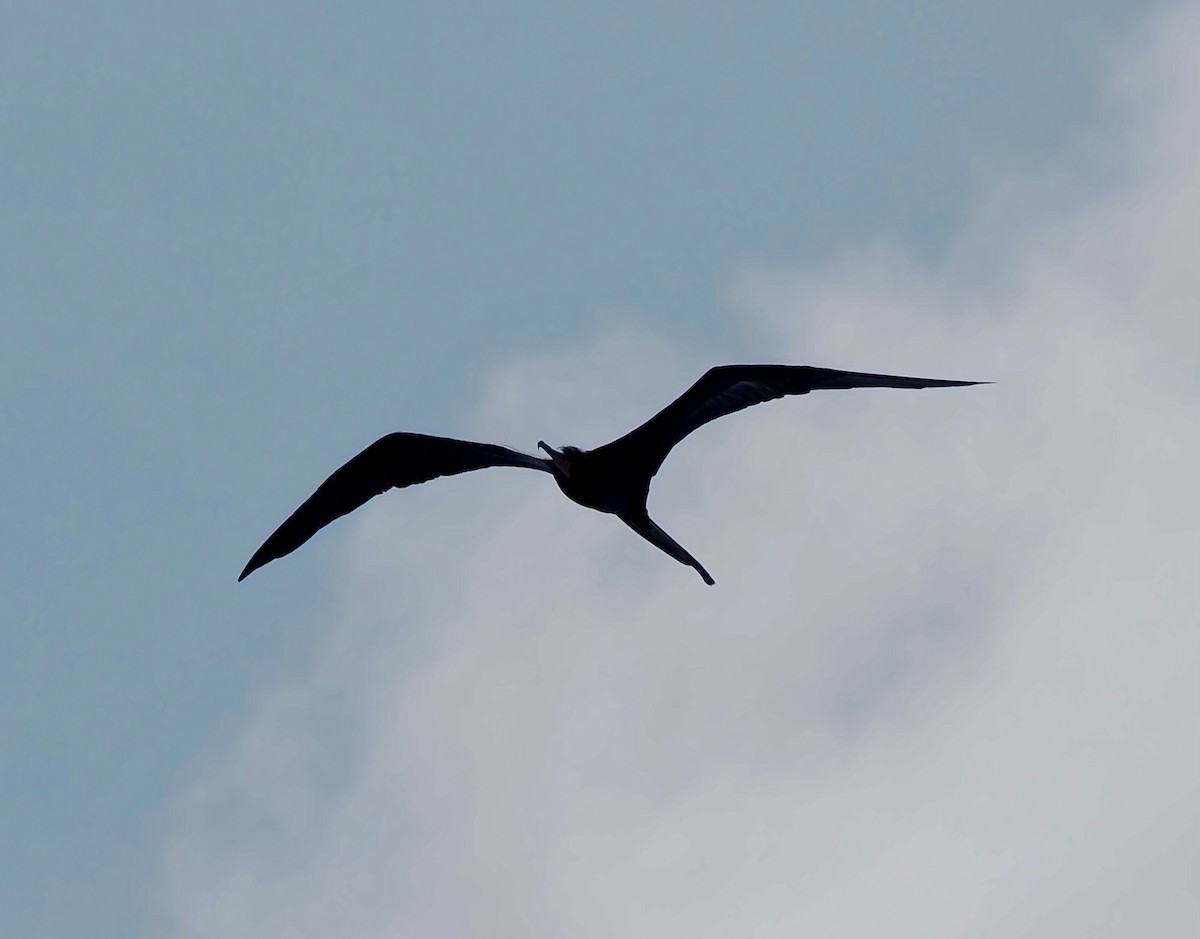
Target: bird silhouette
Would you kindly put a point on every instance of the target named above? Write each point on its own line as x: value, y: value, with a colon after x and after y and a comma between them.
x: 614, y: 478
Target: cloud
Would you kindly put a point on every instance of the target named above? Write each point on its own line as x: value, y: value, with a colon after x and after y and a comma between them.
x: 945, y: 685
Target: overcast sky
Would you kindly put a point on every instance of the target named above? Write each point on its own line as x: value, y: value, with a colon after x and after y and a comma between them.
x: 945, y: 684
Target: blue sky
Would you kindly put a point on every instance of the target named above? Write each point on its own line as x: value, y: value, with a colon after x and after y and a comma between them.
x: 242, y: 241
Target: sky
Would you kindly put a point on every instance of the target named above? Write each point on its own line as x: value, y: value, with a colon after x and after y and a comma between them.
x: 945, y: 684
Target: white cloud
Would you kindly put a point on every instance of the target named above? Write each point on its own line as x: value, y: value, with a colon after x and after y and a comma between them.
x: 946, y: 682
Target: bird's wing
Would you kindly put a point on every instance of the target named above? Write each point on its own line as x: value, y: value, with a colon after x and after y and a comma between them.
x: 729, y: 388
x: 394, y: 461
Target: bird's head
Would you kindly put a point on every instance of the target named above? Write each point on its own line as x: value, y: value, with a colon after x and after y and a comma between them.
x: 564, y: 458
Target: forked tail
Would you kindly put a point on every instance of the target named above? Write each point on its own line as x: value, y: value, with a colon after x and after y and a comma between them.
x: 645, y: 527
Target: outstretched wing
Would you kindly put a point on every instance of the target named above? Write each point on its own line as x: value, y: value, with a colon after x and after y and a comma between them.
x: 729, y: 388
x: 392, y: 462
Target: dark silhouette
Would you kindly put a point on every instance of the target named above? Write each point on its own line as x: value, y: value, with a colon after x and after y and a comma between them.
x: 614, y: 478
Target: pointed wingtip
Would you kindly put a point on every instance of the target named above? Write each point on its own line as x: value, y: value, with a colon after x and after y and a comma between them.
x: 948, y: 383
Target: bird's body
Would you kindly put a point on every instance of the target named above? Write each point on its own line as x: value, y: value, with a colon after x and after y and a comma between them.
x: 586, y: 477
x: 614, y: 478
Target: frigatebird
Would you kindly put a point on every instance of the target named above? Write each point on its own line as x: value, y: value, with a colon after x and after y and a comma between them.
x: 614, y: 478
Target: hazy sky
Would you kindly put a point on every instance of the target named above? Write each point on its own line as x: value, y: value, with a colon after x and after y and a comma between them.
x: 946, y: 682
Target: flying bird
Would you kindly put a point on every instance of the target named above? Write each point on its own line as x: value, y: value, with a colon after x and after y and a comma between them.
x: 614, y: 478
